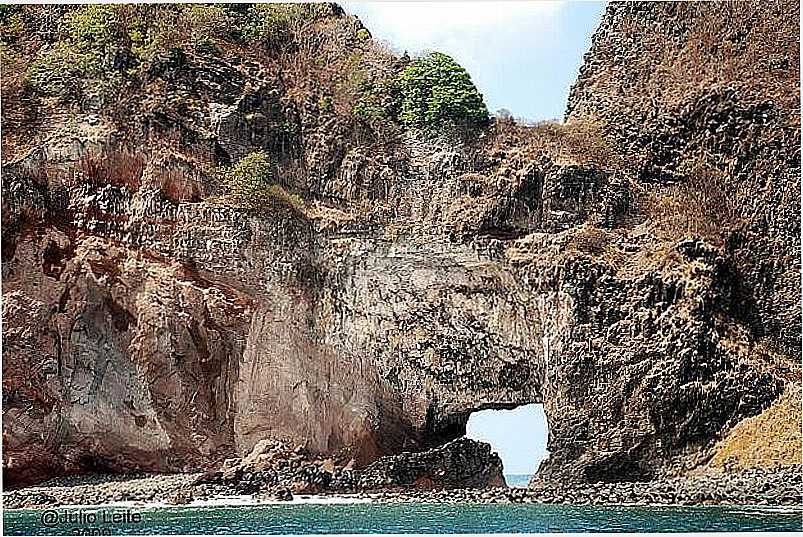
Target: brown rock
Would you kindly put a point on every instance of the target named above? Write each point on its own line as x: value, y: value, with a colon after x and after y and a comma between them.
x: 635, y: 270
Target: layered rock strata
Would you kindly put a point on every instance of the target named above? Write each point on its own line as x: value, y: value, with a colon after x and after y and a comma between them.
x: 588, y: 267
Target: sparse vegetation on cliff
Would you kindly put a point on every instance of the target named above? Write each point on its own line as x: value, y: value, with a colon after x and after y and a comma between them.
x: 252, y: 184
x: 269, y: 24
x: 92, y: 58
x: 95, y: 49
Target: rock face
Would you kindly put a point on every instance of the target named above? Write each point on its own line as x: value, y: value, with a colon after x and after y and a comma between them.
x: 729, y: 126
x: 588, y: 267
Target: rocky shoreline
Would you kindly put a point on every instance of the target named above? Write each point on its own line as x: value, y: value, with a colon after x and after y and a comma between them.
x: 778, y: 487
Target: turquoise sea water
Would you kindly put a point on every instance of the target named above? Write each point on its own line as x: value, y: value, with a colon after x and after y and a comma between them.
x: 399, y: 518
x: 517, y: 480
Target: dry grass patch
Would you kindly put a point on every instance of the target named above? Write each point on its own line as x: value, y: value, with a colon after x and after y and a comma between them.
x: 706, y: 205
x: 769, y: 440
x: 598, y: 243
x: 575, y: 142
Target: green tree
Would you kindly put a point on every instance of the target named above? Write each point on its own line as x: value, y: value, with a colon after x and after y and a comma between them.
x: 437, y: 96
x: 95, y: 26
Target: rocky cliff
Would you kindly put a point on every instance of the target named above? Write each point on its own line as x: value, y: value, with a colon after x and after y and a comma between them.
x: 636, y: 269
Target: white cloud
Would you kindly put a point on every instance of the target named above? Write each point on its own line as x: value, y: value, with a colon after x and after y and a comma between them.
x: 463, y: 26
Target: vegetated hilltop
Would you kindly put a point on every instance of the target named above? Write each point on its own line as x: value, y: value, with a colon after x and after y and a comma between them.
x: 230, y: 223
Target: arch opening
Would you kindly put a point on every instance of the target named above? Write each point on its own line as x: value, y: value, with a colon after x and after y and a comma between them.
x: 518, y: 435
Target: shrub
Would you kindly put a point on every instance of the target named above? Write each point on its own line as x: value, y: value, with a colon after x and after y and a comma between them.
x: 278, y: 194
x: 153, y: 30
x: 363, y: 35
x: 204, y: 25
x: 250, y: 176
x: 57, y: 72
x: 95, y: 26
x: 252, y: 184
x: 207, y: 20
x: 437, y: 95
x: 325, y: 105
x: 89, y: 60
x: 368, y: 106
x: 12, y: 26
x: 269, y: 24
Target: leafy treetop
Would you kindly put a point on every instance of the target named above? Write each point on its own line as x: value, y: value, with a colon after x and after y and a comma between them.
x: 437, y: 96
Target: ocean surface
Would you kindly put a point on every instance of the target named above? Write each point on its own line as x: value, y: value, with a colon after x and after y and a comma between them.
x: 517, y: 480
x: 395, y: 518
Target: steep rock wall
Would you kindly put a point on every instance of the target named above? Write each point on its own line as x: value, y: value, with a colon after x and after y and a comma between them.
x: 148, y: 326
x: 728, y: 127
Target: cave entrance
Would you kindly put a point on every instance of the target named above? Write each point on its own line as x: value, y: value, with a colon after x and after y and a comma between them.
x: 519, y: 436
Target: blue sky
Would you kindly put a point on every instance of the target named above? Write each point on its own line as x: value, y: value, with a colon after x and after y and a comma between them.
x: 518, y: 435
x: 523, y: 56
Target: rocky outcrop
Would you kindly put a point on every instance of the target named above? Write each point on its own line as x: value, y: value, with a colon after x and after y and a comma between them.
x: 461, y: 463
x: 272, y: 467
x: 149, y: 325
x: 725, y: 131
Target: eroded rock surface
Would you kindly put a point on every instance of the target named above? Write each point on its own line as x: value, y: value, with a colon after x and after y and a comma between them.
x: 148, y: 326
